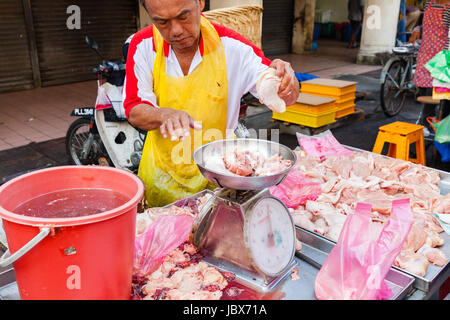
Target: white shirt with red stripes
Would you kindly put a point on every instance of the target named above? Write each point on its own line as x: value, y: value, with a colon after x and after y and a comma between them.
x: 245, y: 62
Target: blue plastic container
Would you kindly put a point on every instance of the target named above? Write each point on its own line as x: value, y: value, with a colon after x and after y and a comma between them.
x: 316, y: 34
x: 444, y: 150
x: 304, y: 76
x: 346, y: 33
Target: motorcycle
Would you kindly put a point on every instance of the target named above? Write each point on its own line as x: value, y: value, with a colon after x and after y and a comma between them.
x: 102, y: 134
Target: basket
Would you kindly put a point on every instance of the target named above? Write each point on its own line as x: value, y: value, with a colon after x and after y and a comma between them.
x: 245, y: 20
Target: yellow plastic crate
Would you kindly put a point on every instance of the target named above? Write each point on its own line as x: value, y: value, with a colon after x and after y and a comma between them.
x: 339, y: 99
x: 313, y: 104
x: 345, y: 111
x: 345, y: 104
x: 328, y: 86
x: 308, y: 119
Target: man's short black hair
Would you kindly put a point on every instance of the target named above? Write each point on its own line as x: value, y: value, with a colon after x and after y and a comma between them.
x: 143, y: 2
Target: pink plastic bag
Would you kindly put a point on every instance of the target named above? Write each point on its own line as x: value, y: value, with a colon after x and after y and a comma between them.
x: 103, y: 101
x: 322, y: 145
x: 161, y: 237
x: 296, y: 189
x: 356, y: 267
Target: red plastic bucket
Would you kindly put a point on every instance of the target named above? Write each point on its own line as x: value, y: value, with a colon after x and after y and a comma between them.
x: 89, y: 257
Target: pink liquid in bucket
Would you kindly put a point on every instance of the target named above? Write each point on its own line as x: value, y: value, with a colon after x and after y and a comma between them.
x: 72, y: 203
x: 88, y: 252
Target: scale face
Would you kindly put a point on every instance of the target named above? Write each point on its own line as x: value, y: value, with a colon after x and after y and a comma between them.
x: 269, y: 236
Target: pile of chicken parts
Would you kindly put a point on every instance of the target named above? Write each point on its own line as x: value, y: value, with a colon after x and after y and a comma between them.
x: 183, y: 276
x: 377, y: 180
x: 247, y: 163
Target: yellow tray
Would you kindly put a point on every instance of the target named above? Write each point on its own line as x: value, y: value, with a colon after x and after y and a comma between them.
x: 345, y: 111
x: 328, y: 86
x: 339, y: 99
x: 313, y: 104
x: 345, y: 104
x: 308, y: 119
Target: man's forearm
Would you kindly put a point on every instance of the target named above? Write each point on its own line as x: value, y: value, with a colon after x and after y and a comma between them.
x: 145, y: 117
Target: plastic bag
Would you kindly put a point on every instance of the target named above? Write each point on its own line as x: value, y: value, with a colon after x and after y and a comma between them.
x: 103, y: 101
x: 444, y: 150
x: 442, y: 130
x: 114, y: 94
x: 356, y: 267
x: 304, y: 76
x: 296, y: 189
x: 162, y: 236
x: 322, y: 145
x: 439, y: 66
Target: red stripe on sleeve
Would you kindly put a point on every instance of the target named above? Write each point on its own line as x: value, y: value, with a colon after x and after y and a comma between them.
x: 131, y: 94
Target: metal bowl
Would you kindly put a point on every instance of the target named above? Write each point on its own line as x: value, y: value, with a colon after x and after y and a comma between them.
x: 209, y: 159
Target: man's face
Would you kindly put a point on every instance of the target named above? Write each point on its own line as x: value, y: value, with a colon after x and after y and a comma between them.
x: 178, y: 21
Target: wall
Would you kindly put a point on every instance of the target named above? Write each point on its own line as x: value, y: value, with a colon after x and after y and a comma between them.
x: 144, y: 19
x: 338, y: 8
x: 379, y: 29
x: 303, y: 30
x: 216, y: 4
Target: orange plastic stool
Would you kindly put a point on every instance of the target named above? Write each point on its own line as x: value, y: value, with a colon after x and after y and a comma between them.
x: 400, y: 135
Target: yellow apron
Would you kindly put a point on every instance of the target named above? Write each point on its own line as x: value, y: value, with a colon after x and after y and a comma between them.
x: 166, y: 167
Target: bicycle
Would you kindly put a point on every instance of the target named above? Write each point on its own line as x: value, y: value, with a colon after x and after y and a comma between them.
x: 397, y: 79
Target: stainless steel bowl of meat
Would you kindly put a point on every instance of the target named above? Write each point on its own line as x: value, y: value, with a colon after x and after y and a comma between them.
x: 244, y: 164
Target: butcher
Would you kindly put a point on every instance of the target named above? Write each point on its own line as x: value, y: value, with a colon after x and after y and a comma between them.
x: 185, y: 77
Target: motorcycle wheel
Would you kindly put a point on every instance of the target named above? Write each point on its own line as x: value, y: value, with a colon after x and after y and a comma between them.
x: 77, y: 135
x: 392, y: 98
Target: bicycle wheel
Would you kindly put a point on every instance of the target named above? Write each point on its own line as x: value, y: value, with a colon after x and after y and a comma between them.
x: 392, y: 95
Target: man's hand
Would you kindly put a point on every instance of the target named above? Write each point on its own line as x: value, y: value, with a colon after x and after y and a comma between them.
x: 172, y: 123
x: 289, y: 88
x: 414, y: 37
x: 176, y: 124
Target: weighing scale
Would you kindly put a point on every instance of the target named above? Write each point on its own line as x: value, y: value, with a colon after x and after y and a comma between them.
x: 242, y: 228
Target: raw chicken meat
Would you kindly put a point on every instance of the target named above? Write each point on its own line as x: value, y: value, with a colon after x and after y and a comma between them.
x: 182, y: 276
x: 246, y: 163
x: 377, y: 180
x: 413, y: 262
x: 443, y: 205
x: 294, y: 275
x: 190, y: 207
x: 240, y: 163
x: 434, y: 255
x: 267, y: 87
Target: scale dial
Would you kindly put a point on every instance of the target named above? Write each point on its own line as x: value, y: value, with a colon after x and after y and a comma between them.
x: 270, y: 236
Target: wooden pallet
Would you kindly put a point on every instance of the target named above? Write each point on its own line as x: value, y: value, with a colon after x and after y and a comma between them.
x: 292, y: 128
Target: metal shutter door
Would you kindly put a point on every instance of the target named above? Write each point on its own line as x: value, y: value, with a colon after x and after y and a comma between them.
x: 63, y: 55
x: 278, y: 19
x: 15, y: 64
